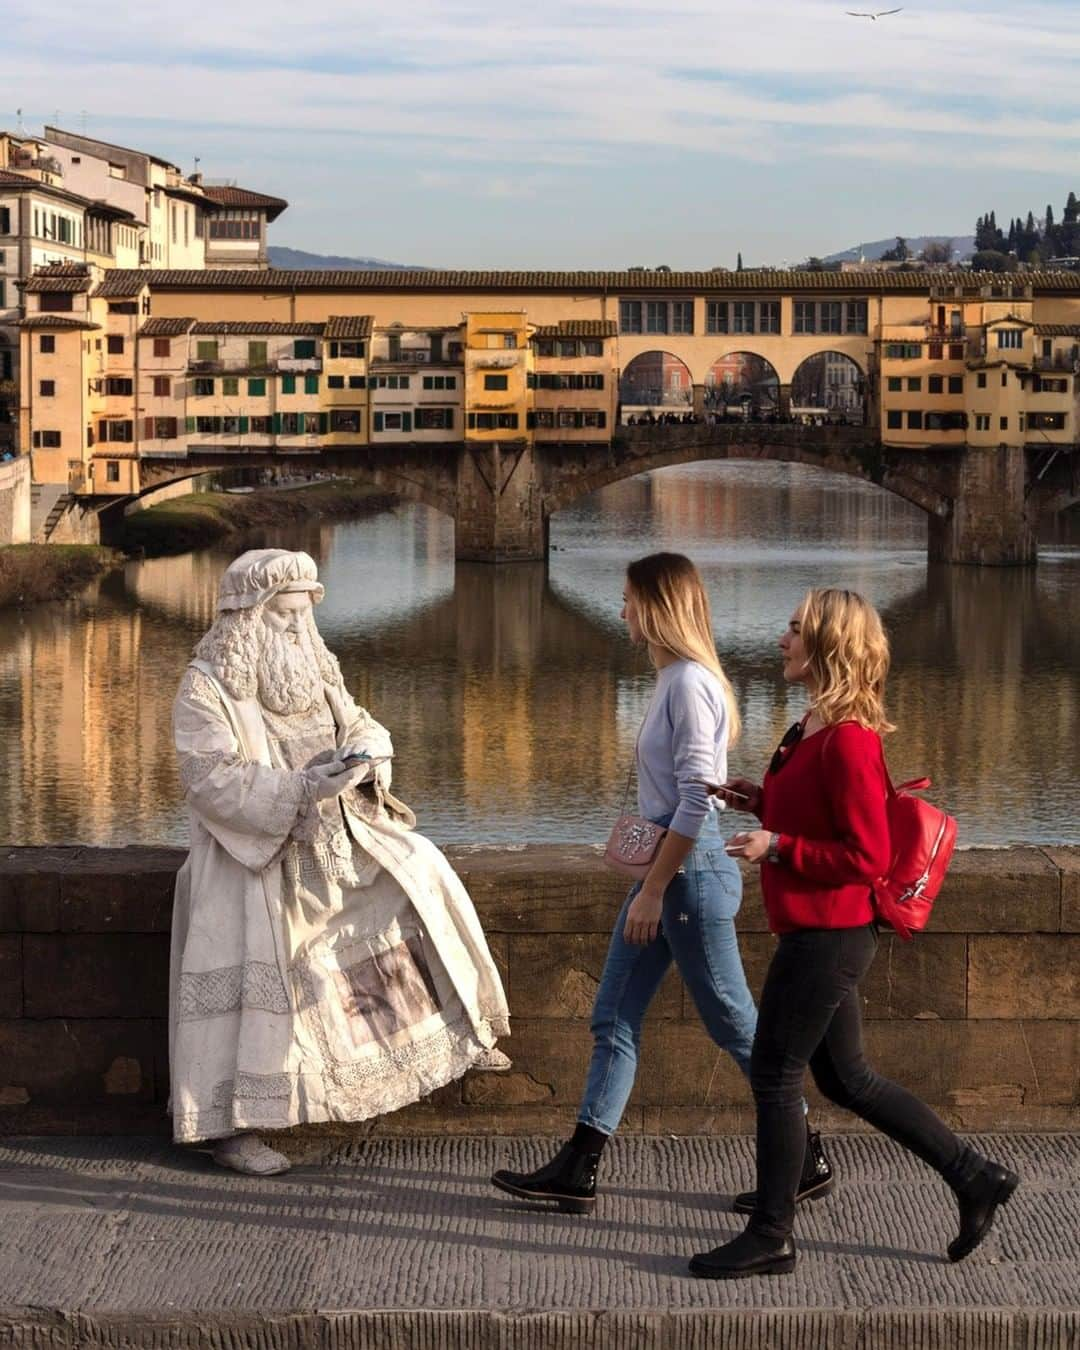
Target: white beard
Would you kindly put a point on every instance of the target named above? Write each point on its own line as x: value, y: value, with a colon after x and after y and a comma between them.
x: 289, y: 677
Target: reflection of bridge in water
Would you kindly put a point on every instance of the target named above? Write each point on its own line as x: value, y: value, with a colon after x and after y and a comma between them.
x: 982, y: 504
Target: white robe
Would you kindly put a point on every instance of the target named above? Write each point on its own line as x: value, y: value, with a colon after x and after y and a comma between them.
x: 341, y: 1001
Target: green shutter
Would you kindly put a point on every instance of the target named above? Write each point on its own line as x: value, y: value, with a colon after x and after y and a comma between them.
x: 288, y: 384
x: 243, y: 426
x: 303, y: 348
x: 406, y: 421
x: 324, y: 423
x: 275, y: 424
x: 378, y: 421
x: 311, y: 384
x: 189, y: 425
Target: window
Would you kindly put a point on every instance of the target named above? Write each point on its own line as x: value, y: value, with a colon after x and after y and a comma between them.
x: 119, y: 388
x: 357, y: 382
x: 629, y: 318
x: 1004, y: 378
x: 388, y: 381
x: 980, y: 379
x: 805, y: 318
x: 956, y: 351
x: 1004, y: 424
x: 545, y: 347
x: 935, y: 384
x: 1046, y: 421
x: 440, y: 381
x: 230, y: 386
x: 914, y: 421
x: 895, y: 384
x: 982, y: 421
x: 946, y: 421
x: 51, y: 303
x: 716, y: 316
x: 206, y: 351
x: 744, y: 316
x: 903, y: 351
x: 204, y: 387
x: 434, y: 419
x: 542, y: 417
x: 496, y: 382
x: 510, y: 340
x: 335, y: 381
x: 769, y: 316
x: 290, y: 424
x: 256, y: 353
x: 112, y: 471
x: 261, y: 426
x: 567, y: 418
x: 115, y: 431
x: 5, y: 220
x: 656, y: 316
x: 288, y: 384
x: 114, y: 345
x: 346, y: 420
x: 164, y: 428
x: 162, y: 347
x: 256, y: 387
x: 914, y: 384
x: 311, y: 384
x: 46, y: 440
x: 388, y: 421
x: 894, y: 419
x: 956, y: 384
x: 593, y: 347
x: 1010, y: 338
x: 346, y: 350
x: 303, y: 349
x: 682, y: 316
x: 47, y: 344
x: 831, y: 317
x: 855, y: 316
x: 568, y: 349
x: 47, y: 388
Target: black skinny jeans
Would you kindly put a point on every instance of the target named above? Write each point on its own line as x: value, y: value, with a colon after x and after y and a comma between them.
x: 809, y: 1014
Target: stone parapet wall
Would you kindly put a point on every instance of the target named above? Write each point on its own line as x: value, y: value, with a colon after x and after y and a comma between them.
x: 15, y: 501
x: 980, y: 1015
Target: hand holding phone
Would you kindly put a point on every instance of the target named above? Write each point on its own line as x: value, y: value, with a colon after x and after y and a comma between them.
x: 721, y: 789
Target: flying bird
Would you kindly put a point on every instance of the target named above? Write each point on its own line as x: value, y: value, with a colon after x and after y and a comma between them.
x: 879, y: 14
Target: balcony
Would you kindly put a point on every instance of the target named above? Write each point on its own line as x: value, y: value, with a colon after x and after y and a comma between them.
x: 306, y: 365
x: 1063, y: 361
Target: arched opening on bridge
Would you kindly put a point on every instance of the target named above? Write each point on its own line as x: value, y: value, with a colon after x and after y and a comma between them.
x: 829, y: 385
x: 742, y: 385
x: 657, y: 383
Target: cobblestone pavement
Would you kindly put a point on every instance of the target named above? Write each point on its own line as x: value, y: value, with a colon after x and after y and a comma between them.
x: 379, y: 1242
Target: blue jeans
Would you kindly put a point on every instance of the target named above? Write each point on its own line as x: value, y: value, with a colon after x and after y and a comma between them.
x: 697, y: 931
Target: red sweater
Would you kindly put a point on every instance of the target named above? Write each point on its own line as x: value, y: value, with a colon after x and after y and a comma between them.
x: 828, y: 806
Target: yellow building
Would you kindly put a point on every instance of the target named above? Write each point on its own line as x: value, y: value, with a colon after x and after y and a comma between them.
x: 575, y: 380
x: 498, y: 367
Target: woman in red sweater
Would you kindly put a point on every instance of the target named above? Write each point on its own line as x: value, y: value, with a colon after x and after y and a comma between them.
x: 824, y: 841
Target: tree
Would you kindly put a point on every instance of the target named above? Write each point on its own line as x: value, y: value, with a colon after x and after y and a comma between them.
x: 899, y: 252
x: 814, y: 264
x: 993, y: 260
x: 738, y: 262
x: 938, y: 252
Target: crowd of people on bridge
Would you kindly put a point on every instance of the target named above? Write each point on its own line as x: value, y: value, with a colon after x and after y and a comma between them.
x: 329, y: 965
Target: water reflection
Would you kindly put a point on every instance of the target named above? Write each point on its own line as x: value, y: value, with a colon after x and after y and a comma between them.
x: 513, y: 696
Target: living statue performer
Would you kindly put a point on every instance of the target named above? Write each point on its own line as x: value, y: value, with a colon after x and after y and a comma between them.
x: 327, y: 963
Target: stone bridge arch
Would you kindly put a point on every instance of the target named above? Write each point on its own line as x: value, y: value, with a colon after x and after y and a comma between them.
x: 833, y: 381
x: 659, y: 380
x: 742, y: 381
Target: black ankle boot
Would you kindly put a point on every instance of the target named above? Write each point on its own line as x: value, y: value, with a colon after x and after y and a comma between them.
x: 748, y: 1254
x: 569, y: 1181
x: 978, y: 1198
x: 815, y: 1183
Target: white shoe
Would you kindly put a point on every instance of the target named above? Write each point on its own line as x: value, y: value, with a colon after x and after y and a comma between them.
x: 492, y: 1061
x: 248, y: 1154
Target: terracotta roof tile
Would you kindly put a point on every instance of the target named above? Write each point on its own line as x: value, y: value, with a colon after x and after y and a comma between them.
x: 69, y: 278
x: 122, y: 282
x: 578, y: 328
x: 1057, y: 330
x: 242, y: 197
x: 349, y: 326
x: 55, y: 321
x: 596, y: 283
x: 166, y: 327
x: 257, y: 327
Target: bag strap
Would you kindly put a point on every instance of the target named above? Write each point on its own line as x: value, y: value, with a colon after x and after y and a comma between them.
x: 633, y: 764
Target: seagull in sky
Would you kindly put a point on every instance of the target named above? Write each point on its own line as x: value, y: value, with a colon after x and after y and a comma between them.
x: 879, y: 14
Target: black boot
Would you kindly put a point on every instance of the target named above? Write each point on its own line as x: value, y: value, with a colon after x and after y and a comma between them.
x: 978, y: 1198
x: 748, y: 1254
x: 569, y: 1181
x: 815, y: 1183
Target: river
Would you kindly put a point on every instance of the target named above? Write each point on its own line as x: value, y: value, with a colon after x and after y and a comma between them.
x: 514, y: 697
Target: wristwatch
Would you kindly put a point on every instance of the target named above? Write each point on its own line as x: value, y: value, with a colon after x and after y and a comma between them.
x: 772, y: 853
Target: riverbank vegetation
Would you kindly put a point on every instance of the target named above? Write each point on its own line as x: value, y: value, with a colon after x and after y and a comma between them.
x: 31, y: 573
x: 204, y: 518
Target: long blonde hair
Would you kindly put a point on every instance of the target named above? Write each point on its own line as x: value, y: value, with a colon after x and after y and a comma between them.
x: 847, y: 656
x: 673, y: 614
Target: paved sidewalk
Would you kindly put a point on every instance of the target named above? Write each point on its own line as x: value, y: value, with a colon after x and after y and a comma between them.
x: 393, y: 1242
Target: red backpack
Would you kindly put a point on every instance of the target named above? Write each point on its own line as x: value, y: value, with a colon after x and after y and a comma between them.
x: 922, y: 838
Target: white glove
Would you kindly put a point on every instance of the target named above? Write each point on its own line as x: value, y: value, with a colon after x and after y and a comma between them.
x: 332, y: 779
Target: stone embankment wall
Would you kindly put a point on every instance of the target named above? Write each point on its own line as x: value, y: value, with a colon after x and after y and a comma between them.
x: 15, y: 501
x: 980, y: 1015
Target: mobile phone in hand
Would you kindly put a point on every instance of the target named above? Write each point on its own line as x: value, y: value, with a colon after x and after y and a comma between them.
x: 716, y: 788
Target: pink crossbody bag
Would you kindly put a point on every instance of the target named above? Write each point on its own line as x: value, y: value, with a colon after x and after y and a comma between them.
x: 634, y: 842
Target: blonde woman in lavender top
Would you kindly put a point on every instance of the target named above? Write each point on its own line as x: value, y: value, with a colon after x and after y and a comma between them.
x: 684, y: 910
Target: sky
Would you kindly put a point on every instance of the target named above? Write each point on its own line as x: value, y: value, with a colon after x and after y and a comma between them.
x: 583, y: 134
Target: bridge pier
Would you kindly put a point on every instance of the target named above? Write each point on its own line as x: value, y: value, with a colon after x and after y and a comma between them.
x: 500, y: 515
x: 989, y: 524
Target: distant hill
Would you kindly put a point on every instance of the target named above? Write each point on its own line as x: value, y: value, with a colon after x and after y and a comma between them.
x: 298, y: 260
x: 963, y: 247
